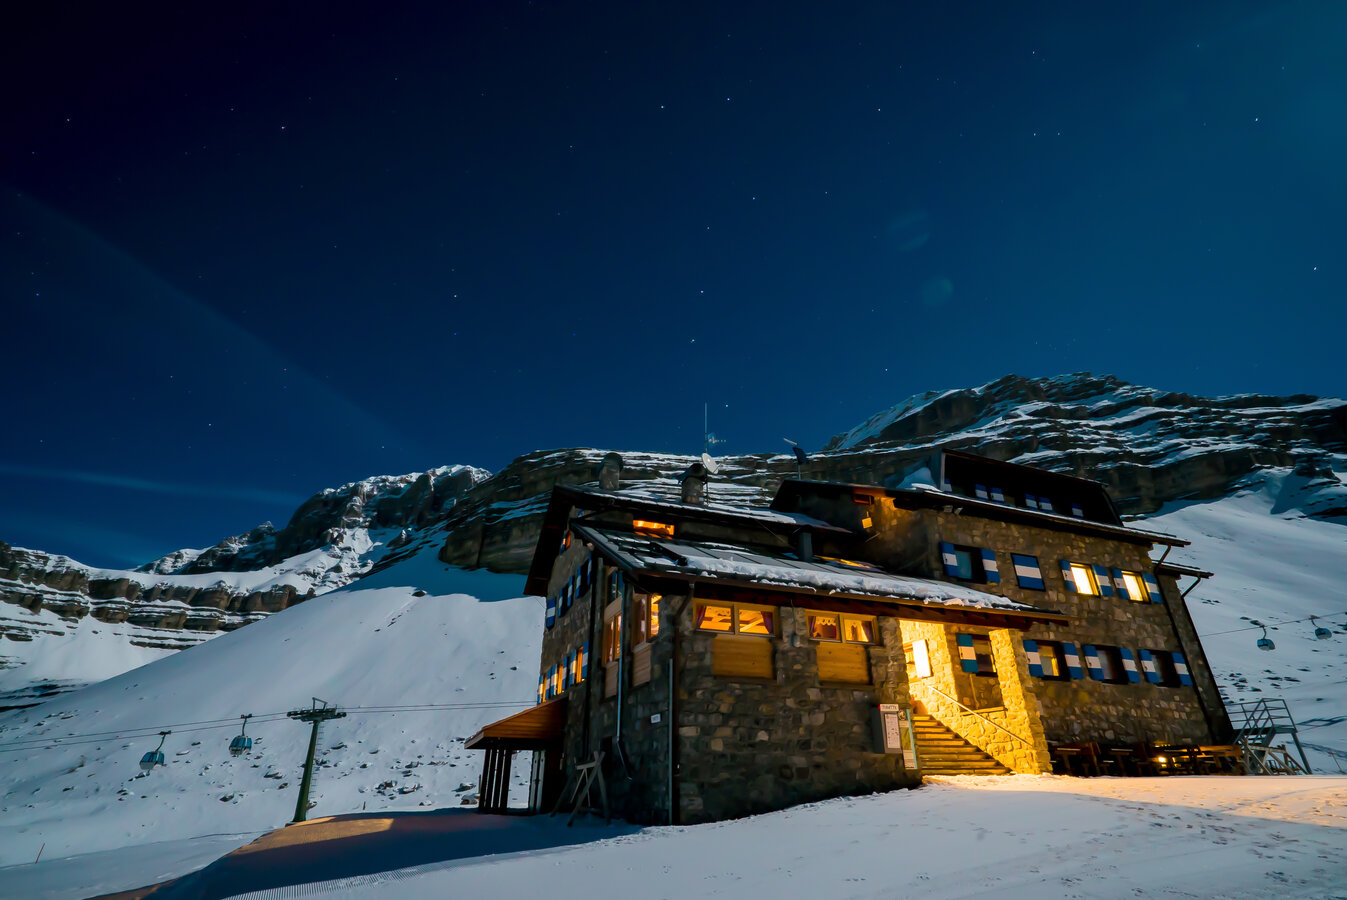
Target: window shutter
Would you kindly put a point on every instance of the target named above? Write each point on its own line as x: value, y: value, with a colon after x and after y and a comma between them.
x: 967, y: 657
x: 949, y: 559
x: 1045, y: 504
x: 1129, y: 665
x: 1152, y: 587
x: 1031, y: 501
x: 1027, y: 572
x: 542, y: 687
x: 584, y: 661
x: 1077, y: 511
x: 1181, y: 667
x: 1072, y: 661
x: 1101, y: 576
x: 566, y: 673
x: 1148, y: 666
x: 1092, y: 662
x: 1035, y: 663
x: 945, y: 486
x: 989, y: 566
x: 1120, y: 585
x: 981, y: 491
x: 551, y: 617
x: 1066, y: 575
x: 998, y: 495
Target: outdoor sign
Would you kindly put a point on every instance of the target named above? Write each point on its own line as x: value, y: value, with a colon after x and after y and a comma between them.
x: 893, y: 733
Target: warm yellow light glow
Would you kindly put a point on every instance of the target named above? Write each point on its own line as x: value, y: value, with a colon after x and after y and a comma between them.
x: 858, y: 631
x: 654, y: 614
x: 755, y: 621
x: 1135, y: 589
x: 1084, y: 581
x: 652, y: 529
x: 824, y: 628
x: 1161, y: 759
x: 714, y: 618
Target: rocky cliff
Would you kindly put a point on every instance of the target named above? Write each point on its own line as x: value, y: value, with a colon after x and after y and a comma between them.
x: 1150, y: 447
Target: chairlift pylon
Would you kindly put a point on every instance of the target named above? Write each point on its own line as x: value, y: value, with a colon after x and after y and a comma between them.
x: 242, y: 743
x: 156, y: 756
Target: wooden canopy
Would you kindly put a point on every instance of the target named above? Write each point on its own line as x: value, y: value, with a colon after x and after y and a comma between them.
x: 536, y: 728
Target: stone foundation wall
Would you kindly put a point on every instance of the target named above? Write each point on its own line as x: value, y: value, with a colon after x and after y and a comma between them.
x: 751, y: 746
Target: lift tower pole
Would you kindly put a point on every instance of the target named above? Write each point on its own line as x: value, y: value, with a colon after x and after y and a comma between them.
x: 316, y: 715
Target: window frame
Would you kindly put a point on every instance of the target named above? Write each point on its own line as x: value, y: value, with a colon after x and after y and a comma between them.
x: 645, y: 617
x: 842, y: 618
x: 977, y: 570
x: 1135, y: 586
x: 1115, y: 661
x: 1057, y: 652
x: 1091, y: 582
x: 735, y: 608
x: 1167, y: 670
x: 979, y: 640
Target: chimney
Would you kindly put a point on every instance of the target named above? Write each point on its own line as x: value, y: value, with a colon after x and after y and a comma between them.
x: 804, y: 545
x: 610, y: 472
x: 694, y: 485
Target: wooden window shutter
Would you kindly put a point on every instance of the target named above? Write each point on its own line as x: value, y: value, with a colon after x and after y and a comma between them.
x: 1027, y: 572
x: 542, y: 687
x: 998, y: 496
x: 583, y: 668
x: 981, y: 491
x: 1120, y: 585
x: 1129, y: 666
x: 551, y: 615
x: 1045, y: 504
x: 1035, y: 663
x: 1073, y: 667
x: 1031, y: 501
x: 968, y: 659
x: 1067, y: 576
x: 1077, y: 511
x: 1181, y: 667
x: 989, y: 567
x: 1152, y: 587
x: 1092, y: 662
x: 1101, y: 578
x: 950, y: 561
x: 1148, y: 667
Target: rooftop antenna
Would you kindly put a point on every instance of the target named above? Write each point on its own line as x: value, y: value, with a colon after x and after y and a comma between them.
x: 800, y: 458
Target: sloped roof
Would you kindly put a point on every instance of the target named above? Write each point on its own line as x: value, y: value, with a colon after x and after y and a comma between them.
x: 535, y: 727
x: 760, y: 568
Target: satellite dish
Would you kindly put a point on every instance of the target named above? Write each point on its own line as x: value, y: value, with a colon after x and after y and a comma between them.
x: 710, y: 464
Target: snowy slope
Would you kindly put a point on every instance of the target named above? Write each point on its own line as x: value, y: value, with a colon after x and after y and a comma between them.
x: 373, y: 643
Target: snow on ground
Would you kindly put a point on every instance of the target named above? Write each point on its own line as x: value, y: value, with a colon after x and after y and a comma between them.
x: 373, y: 643
x: 1271, y: 567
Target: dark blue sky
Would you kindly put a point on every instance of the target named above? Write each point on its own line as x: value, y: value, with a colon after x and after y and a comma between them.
x: 251, y: 253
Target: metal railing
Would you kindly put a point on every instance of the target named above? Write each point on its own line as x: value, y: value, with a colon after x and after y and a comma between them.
x: 1256, y: 724
x: 973, y: 712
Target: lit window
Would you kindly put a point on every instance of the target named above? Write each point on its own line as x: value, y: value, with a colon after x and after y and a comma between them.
x: 921, y: 659
x: 612, y: 638
x: 652, y: 529
x: 644, y: 617
x: 1083, y: 579
x: 982, y: 654
x: 849, y: 629
x: 1136, y: 588
x: 1052, y: 660
x: 736, y: 619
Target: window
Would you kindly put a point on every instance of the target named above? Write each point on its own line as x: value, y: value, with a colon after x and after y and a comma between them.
x: 975, y: 654
x: 644, y: 617
x: 734, y: 618
x: 1106, y: 664
x: 975, y: 564
x: 921, y: 659
x: 736, y: 651
x: 848, y: 629
x: 1052, y: 661
x: 1165, y: 668
x: 1080, y: 579
x: 652, y: 529
x: 612, y: 638
x: 1027, y: 572
x: 1132, y: 587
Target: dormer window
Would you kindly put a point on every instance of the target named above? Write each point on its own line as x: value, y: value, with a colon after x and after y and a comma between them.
x: 652, y: 529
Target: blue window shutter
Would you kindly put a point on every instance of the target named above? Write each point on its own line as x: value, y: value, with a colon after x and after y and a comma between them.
x: 1129, y: 665
x: 1120, y: 585
x: 1148, y: 666
x: 1072, y: 661
x: 1031, y: 501
x: 1152, y: 587
x: 1092, y: 662
x: 967, y: 657
x: 1027, y: 572
x: 1066, y: 575
x: 551, y: 616
x: 989, y: 566
x: 584, y: 662
x: 566, y: 673
x: 1101, y: 577
x: 981, y: 491
x: 998, y: 495
x: 1045, y: 504
x: 1077, y: 511
x: 1035, y: 663
x: 1181, y: 666
x: 945, y: 486
x: 542, y: 687
x: 950, y: 561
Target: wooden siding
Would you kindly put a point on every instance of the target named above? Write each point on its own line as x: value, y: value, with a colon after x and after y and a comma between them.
x: 610, y: 679
x: 742, y: 657
x: 843, y: 662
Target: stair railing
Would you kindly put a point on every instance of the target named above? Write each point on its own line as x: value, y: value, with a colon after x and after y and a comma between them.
x: 973, y: 712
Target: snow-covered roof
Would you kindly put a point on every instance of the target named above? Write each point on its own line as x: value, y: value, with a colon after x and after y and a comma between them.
x: 783, y: 571
x: 709, y: 509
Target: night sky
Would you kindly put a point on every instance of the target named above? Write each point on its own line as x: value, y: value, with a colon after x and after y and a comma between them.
x: 252, y: 252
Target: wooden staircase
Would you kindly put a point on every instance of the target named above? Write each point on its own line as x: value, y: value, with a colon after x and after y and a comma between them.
x: 943, y: 752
